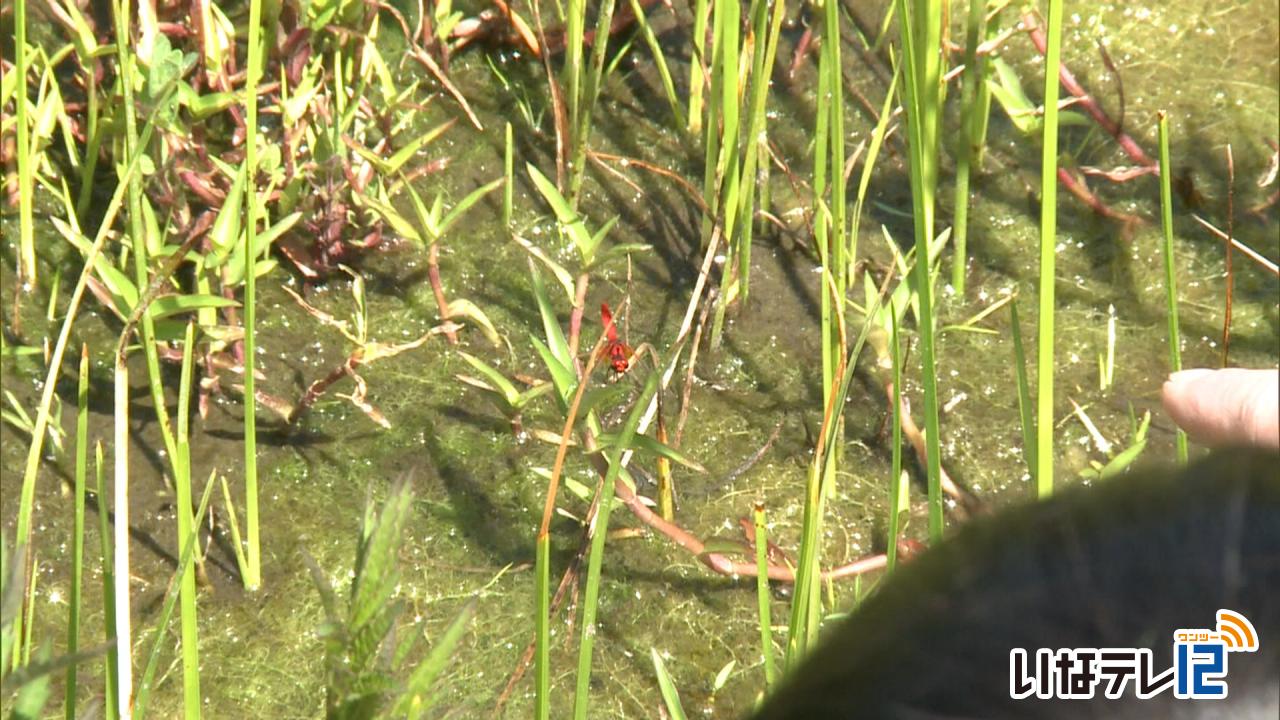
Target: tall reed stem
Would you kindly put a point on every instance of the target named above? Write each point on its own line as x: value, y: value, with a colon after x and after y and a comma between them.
x: 186, y: 531
x: 1048, y: 243
x: 77, y: 536
x: 1170, y: 276
x: 253, y: 554
x: 591, y: 595
x: 762, y: 594
x: 973, y: 124
x: 120, y: 452
x: 921, y: 26
x: 26, y: 222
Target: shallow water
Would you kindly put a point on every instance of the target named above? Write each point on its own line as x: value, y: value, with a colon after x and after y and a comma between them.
x: 478, y: 497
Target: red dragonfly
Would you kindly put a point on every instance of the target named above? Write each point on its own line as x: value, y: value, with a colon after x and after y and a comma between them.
x: 617, y: 351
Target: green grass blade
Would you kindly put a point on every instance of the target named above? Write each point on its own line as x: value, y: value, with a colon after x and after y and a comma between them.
x: 187, y: 532
x: 660, y: 61
x: 416, y: 698
x: 591, y: 596
x: 762, y: 595
x: 26, y: 501
x: 77, y: 536
x: 26, y: 185
x: 145, y: 686
x: 542, y: 660
x: 1026, y: 421
x: 111, y: 689
x: 571, y: 222
x: 670, y: 696
x: 896, y: 494
x: 1048, y: 242
x: 253, y: 71
x: 1170, y: 275
x: 970, y: 143
x: 920, y: 27
x: 467, y: 202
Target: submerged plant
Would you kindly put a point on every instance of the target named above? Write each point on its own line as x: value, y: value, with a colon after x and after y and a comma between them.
x: 370, y: 672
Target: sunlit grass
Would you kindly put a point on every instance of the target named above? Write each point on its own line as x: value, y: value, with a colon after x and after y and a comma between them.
x: 1170, y: 277
x: 1048, y: 251
x: 920, y: 24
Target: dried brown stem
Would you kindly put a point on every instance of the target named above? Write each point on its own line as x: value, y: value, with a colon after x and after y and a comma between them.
x: 965, y: 502
x: 723, y: 564
x: 687, y: 392
x: 425, y: 58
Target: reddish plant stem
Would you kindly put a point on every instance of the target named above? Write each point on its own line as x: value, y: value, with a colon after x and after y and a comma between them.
x: 1087, y: 101
x: 575, y: 318
x: 437, y: 289
x: 723, y: 564
x: 965, y: 502
x: 1082, y: 192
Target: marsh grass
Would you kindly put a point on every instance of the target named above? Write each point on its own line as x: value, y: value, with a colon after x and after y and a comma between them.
x: 111, y: 679
x: 26, y: 221
x: 253, y: 70
x: 77, y: 533
x: 1170, y: 277
x: 735, y: 133
x: 583, y: 95
x: 975, y: 109
x: 192, y: 700
x: 1026, y: 413
x: 920, y: 26
x: 733, y: 122
x: 1048, y: 250
x: 369, y: 659
x: 26, y: 501
x: 591, y: 589
x: 899, y: 500
x: 660, y: 61
x: 762, y: 594
x: 135, y: 704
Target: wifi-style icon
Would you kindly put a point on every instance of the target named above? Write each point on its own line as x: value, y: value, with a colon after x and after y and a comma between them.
x: 1236, y: 632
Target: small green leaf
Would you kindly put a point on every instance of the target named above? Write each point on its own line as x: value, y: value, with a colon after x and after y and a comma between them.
x: 417, y: 697
x: 646, y: 444
x: 174, y: 304
x: 668, y: 688
x: 570, y: 221
x: 205, y: 106
x: 471, y: 199
x: 529, y: 395
x: 226, y: 227
x: 550, y: 325
x: 562, y: 276
x: 507, y: 390
x: 465, y: 308
x: 722, y: 677
x: 622, y: 249
x: 608, y: 396
x: 723, y: 546
x: 392, y: 165
x: 430, y: 223
x: 561, y: 375
x: 398, y: 222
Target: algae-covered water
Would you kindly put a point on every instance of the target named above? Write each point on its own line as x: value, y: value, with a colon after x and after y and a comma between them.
x: 479, y: 494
